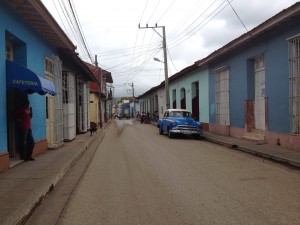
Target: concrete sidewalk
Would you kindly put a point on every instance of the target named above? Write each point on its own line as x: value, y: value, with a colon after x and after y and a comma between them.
x: 24, y: 186
x: 268, y: 151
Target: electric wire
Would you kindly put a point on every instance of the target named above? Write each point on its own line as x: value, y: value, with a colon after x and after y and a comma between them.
x: 168, y: 8
x: 62, y: 22
x: 237, y: 15
x: 72, y: 20
x: 119, y: 55
x: 139, y: 68
x: 73, y: 9
x: 181, y: 34
x: 130, y: 60
x: 203, y: 23
x: 153, y: 11
x: 186, y: 18
x: 171, y: 59
x: 65, y: 13
x: 72, y: 25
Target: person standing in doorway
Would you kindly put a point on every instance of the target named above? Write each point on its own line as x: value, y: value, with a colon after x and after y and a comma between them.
x: 26, y: 141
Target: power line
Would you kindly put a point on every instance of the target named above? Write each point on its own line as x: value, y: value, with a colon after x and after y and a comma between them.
x: 144, y: 11
x: 80, y: 29
x: 186, y: 18
x: 166, y: 11
x: 182, y: 33
x: 203, y: 23
x: 171, y: 59
x: 69, y: 12
x: 154, y: 11
x: 237, y: 16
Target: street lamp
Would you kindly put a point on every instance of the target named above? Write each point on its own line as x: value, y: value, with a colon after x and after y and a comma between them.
x: 157, y: 59
x: 166, y: 81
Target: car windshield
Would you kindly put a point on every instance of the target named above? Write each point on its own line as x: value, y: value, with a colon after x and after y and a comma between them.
x: 180, y: 114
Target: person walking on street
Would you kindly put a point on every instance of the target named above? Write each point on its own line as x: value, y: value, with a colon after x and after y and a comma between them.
x: 26, y: 141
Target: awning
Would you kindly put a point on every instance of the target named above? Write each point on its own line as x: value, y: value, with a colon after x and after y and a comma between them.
x: 20, y: 77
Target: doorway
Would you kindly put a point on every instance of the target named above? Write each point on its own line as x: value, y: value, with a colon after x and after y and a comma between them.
x: 14, y: 97
x: 195, y: 100
x: 182, y: 99
x: 174, y: 103
x: 259, y: 104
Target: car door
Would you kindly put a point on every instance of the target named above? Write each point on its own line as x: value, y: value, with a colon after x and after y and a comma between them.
x: 165, y: 121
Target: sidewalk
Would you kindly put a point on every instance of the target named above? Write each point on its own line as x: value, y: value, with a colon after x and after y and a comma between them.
x: 25, y: 185
x: 268, y: 151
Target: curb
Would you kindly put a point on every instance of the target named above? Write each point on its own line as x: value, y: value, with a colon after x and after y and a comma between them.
x: 256, y: 153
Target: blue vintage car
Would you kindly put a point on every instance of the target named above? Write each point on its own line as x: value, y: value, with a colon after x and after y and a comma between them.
x: 179, y: 121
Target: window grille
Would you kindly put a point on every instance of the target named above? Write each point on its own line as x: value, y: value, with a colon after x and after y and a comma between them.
x: 9, y: 51
x: 88, y: 113
x: 68, y: 90
x: 65, y: 88
x: 222, y: 96
x: 294, y: 84
x: 56, y: 67
x: 80, y: 105
x: 83, y: 109
x: 49, y: 67
x: 54, y: 109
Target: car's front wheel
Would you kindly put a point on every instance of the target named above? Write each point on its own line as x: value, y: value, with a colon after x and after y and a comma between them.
x: 170, y: 134
x: 161, y: 131
x: 196, y: 136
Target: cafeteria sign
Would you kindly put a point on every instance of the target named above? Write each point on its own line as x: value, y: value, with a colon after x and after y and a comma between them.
x: 25, y: 82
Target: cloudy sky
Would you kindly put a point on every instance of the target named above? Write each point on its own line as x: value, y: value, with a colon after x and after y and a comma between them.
x: 194, y: 29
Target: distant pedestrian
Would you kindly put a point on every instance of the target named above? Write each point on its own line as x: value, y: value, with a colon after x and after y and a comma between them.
x: 26, y: 141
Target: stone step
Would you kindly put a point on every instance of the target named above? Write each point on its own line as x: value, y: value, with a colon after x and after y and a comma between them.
x: 258, y: 138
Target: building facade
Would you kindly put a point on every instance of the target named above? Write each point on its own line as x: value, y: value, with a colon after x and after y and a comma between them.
x: 254, y: 83
x: 38, y: 63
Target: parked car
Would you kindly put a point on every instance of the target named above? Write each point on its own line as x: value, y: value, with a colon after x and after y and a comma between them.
x: 179, y: 121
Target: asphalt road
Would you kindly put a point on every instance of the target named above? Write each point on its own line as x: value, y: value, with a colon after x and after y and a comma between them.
x: 140, y: 177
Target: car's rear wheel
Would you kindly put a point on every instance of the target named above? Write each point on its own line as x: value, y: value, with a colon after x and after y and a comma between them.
x: 161, y: 131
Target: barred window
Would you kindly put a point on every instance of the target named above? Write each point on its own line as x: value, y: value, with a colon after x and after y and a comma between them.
x: 294, y: 83
x: 9, y: 51
x: 65, y: 87
x: 49, y: 67
x: 222, y: 96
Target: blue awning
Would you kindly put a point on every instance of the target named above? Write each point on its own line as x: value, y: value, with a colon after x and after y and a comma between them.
x: 20, y: 77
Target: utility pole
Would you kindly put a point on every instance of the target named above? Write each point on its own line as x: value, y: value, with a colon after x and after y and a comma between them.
x: 132, y: 87
x: 133, y: 99
x: 99, y: 90
x: 165, y: 60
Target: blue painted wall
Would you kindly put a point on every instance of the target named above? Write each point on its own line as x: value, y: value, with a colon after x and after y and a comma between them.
x: 200, y: 75
x: 3, y: 117
x: 277, y: 77
x: 274, y: 46
x: 30, y: 54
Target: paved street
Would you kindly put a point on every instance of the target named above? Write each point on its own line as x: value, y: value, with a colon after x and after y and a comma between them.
x: 140, y: 177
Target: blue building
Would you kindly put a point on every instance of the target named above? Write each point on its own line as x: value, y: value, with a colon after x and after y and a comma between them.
x: 37, y: 59
x: 254, y: 83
